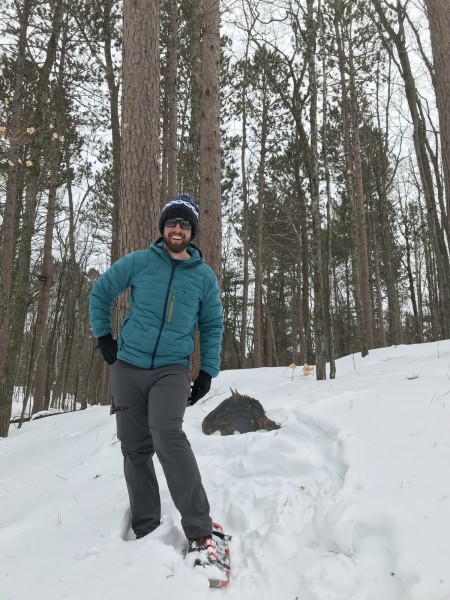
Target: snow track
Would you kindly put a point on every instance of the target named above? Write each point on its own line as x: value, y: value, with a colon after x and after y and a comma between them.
x: 268, y: 488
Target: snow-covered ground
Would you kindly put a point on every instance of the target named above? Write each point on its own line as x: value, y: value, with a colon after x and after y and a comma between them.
x: 349, y: 500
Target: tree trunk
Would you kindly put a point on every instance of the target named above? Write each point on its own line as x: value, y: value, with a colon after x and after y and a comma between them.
x: 209, y: 157
x: 139, y: 208
x: 171, y: 94
x: 411, y: 277
x: 10, y: 209
x: 303, y: 278
x: 193, y: 10
x: 46, y: 276
x: 386, y: 237
x: 113, y: 88
x: 319, y: 287
x: 272, y: 354
x: 418, y: 279
x: 257, y: 306
x: 361, y: 240
x: 379, y: 296
x: 245, y: 215
x: 329, y: 258
x: 294, y: 315
x: 349, y: 181
x: 439, y: 20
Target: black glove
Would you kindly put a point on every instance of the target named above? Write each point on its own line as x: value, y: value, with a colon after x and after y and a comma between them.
x: 108, y: 348
x: 200, y: 387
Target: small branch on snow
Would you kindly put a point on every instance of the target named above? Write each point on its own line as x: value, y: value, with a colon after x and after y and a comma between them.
x: 171, y: 569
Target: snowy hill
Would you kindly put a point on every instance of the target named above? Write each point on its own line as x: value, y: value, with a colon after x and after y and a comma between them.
x: 349, y: 500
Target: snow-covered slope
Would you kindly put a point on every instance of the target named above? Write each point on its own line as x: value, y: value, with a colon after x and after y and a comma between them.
x: 349, y: 500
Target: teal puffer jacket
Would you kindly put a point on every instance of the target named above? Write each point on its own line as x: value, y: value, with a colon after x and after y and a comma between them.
x: 166, y: 304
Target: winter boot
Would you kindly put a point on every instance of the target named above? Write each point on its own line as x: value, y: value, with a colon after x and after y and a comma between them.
x: 206, y: 548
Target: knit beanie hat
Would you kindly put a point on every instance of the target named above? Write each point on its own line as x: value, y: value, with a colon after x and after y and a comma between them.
x: 181, y: 207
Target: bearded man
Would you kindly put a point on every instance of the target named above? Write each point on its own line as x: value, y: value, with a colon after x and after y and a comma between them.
x: 172, y: 292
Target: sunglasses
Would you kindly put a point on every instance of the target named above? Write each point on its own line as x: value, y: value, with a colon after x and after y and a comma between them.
x: 174, y: 222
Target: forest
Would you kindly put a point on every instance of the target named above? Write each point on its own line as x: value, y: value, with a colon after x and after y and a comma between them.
x: 315, y: 135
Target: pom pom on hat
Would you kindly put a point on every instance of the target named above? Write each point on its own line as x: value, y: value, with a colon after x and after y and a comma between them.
x: 182, y: 207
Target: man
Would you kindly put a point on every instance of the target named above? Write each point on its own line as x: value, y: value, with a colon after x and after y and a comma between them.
x: 172, y: 292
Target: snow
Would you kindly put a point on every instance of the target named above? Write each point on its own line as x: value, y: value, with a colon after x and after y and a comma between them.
x: 349, y: 500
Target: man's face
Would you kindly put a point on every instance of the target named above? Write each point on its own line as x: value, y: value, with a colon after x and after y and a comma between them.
x: 176, y: 238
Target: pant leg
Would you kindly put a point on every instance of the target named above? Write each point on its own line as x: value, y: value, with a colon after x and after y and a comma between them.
x: 167, y: 402
x: 129, y: 386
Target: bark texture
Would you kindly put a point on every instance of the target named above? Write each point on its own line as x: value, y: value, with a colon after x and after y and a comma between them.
x: 140, y: 152
x: 439, y: 20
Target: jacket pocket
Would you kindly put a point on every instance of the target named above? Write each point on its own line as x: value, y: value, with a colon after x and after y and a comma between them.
x: 120, y: 338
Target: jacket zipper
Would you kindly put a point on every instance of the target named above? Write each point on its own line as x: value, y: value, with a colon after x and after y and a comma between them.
x: 172, y: 302
x: 163, y: 316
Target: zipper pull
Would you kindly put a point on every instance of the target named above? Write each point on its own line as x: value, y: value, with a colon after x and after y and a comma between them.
x: 172, y: 302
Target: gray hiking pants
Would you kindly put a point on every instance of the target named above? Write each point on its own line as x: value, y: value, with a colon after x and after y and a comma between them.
x: 150, y: 406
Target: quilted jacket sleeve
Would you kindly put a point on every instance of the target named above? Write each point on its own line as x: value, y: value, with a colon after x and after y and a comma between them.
x: 210, y: 324
x: 108, y: 286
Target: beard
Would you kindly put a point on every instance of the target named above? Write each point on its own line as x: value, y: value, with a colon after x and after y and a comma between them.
x: 177, y: 247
